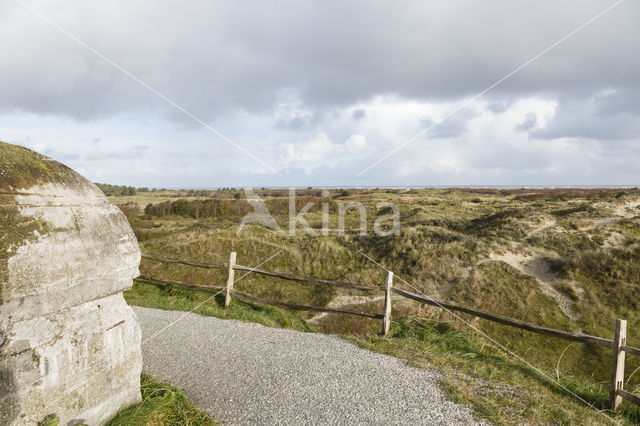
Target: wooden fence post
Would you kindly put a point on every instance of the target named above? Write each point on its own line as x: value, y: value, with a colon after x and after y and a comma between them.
x: 230, y: 278
x: 386, y: 322
x: 617, y: 375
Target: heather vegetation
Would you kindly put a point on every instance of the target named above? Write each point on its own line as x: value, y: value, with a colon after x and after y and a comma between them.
x: 562, y: 258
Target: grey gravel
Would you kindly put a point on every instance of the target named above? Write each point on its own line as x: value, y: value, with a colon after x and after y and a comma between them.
x: 246, y: 373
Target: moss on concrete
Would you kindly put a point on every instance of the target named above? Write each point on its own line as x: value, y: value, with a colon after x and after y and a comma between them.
x: 17, y: 230
x: 22, y: 168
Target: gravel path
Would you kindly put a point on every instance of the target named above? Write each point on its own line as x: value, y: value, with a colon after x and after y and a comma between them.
x: 246, y: 373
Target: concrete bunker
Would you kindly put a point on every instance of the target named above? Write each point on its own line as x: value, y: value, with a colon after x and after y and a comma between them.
x: 69, y: 343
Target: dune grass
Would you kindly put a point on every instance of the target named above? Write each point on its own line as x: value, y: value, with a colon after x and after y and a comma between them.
x: 589, y: 238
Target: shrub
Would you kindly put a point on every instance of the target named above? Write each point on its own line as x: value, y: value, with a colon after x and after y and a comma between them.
x: 182, y: 208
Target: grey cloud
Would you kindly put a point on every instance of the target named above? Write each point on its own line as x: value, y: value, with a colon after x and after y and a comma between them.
x: 212, y: 57
x: 296, y: 123
x: 359, y: 114
x: 498, y: 107
x: 594, y: 117
x: 127, y: 154
x: 619, y: 101
x: 505, y: 156
x: 233, y: 63
x: 62, y: 156
x: 530, y: 120
x: 448, y: 129
x: 453, y: 126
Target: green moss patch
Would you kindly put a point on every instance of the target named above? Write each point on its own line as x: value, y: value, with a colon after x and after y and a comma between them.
x: 22, y: 168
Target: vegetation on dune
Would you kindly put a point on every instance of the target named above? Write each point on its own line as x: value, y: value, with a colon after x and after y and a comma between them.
x: 566, y: 259
x: 500, y: 387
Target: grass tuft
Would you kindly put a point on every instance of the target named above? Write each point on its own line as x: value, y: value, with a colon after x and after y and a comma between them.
x: 161, y: 405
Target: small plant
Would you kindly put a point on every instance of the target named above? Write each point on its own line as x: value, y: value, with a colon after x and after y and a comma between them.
x: 49, y: 420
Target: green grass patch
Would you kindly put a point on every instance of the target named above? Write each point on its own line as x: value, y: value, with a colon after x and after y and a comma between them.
x: 161, y: 405
x: 153, y: 295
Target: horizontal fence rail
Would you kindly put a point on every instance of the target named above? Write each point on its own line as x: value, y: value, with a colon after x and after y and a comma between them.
x: 203, y: 287
x: 568, y: 335
x: 342, y: 284
x: 186, y: 262
x: 631, y: 350
x: 629, y: 396
x: 294, y: 306
x: 618, y: 344
x: 305, y: 307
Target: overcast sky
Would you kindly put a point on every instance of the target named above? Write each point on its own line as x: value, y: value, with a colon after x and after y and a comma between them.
x: 279, y: 93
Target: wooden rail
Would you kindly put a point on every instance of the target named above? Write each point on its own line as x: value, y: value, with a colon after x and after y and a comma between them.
x: 186, y: 262
x: 253, y: 298
x: 618, y: 344
x: 629, y: 396
x: 342, y: 284
x: 304, y: 307
x: 203, y: 287
x: 568, y: 335
x: 631, y: 350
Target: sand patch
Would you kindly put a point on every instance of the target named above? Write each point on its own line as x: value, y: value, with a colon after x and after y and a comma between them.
x: 344, y: 301
x: 614, y: 240
x: 546, y: 224
x: 538, y: 268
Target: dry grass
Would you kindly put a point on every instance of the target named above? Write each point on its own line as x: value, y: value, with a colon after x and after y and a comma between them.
x: 445, y: 248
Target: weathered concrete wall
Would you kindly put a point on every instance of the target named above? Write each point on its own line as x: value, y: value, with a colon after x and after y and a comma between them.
x: 69, y: 344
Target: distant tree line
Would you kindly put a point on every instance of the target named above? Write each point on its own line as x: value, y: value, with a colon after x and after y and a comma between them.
x: 230, y: 208
x: 109, y: 189
x: 199, y: 208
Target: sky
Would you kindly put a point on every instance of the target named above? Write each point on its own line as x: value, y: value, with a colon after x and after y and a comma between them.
x: 206, y: 94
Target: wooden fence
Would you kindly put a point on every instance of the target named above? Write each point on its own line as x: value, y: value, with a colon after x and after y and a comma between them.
x: 618, y: 344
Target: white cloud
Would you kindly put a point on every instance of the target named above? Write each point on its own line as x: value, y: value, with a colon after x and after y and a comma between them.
x: 319, y: 148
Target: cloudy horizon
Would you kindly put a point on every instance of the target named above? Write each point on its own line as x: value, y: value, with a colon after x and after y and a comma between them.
x: 306, y: 93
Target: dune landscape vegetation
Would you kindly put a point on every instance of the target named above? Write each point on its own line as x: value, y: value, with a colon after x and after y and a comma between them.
x: 561, y: 258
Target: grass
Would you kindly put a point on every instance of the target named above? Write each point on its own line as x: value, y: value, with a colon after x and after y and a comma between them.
x: 447, y: 237
x: 146, y: 294
x: 161, y: 405
x: 501, y: 388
